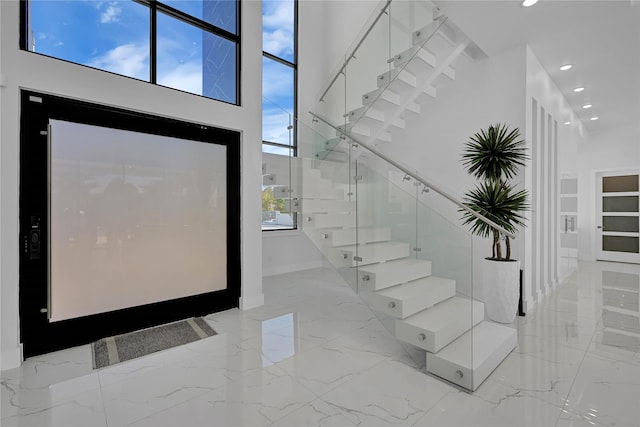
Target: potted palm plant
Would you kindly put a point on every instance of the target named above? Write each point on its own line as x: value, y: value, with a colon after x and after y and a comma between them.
x: 493, y: 156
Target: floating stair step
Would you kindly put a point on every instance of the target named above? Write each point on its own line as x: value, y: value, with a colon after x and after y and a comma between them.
x: 387, y: 100
x: 381, y: 276
x: 403, y: 82
x: 327, y: 206
x: 416, y: 59
x: 372, y: 116
x: 316, y: 192
x: 470, y: 359
x: 332, y: 155
x: 434, y: 328
x: 334, y: 220
x: 362, y: 131
x: 403, y: 300
x: 371, y: 253
x: 351, y: 236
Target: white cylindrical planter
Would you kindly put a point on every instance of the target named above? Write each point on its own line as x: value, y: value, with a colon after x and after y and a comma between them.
x: 501, y: 288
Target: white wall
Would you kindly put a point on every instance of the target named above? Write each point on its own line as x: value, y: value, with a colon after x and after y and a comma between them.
x: 610, y: 150
x: 287, y: 251
x: 485, y: 92
x: 557, y: 158
x: 21, y: 69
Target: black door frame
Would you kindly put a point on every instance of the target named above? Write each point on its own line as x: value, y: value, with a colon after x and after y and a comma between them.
x: 37, y: 334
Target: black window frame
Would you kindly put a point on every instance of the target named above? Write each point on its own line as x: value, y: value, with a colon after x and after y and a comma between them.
x: 294, y: 67
x: 156, y: 7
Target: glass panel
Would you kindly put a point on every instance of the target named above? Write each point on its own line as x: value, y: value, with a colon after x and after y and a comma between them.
x: 277, y: 101
x: 179, y: 55
x: 620, y: 204
x: 620, y: 244
x: 569, y: 204
x: 569, y: 186
x: 135, y: 219
x: 221, y: 13
x: 619, y: 184
x: 195, y: 61
x: 111, y: 36
x: 219, y: 75
x: 278, y: 17
x: 627, y: 224
x: 276, y: 197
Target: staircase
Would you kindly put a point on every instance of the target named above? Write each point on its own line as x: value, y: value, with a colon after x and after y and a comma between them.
x: 427, y: 311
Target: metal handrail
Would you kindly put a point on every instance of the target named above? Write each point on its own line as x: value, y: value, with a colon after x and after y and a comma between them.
x: 419, y: 179
x: 353, y: 54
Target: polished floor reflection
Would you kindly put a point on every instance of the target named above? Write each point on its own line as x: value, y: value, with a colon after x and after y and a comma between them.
x: 314, y: 355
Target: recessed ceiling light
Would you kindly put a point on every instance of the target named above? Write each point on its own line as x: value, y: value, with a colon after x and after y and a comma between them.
x: 566, y: 67
x: 578, y: 89
x: 594, y: 118
x: 567, y: 123
x: 586, y: 106
x: 527, y: 3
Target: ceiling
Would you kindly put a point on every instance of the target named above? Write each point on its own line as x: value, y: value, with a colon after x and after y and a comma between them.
x: 600, y: 38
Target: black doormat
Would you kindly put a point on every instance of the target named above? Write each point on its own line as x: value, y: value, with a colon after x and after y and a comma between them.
x: 112, y: 350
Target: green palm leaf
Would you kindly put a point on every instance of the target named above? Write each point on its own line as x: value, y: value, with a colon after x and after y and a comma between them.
x: 495, y: 154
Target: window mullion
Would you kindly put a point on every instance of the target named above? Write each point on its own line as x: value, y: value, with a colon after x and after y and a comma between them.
x: 153, y: 44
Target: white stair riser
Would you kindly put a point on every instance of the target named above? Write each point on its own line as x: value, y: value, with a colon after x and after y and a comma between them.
x: 352, y: 236
x: 448, y: 327
x: 401, y: 309
x: 337, y: 220
x: 478, y: 364
x: 328, y: 206
x: 369, y: 281
x: 371, y: 254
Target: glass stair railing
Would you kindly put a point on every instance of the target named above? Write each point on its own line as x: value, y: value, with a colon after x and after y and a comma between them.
x: 394, y: 236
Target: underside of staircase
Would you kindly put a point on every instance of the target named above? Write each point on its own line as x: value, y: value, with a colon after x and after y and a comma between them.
x: 427, y: 311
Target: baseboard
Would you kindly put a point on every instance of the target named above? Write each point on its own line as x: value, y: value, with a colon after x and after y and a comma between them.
x: 11, y: 359
x: 290, y: 268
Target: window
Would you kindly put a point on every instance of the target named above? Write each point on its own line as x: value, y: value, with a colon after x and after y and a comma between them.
x: 190, y: 45
x: 279, y: 33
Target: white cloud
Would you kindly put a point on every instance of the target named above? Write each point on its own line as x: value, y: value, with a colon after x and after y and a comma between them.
x: 278, y: 42
x: 277, y: 19
x: 111, y: 14
x: 187, y: 77
x: 128, y: 59
x: 278, y: 15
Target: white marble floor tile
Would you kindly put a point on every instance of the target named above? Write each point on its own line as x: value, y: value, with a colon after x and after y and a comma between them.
x: 495, y: 406
x: 607, y: 391
x: 30, y: 395
x: 567, y: 419
x: 389, y: 393
x: 326, y: 367
x: 137, y: 397
x: 54, y: 367
x: 257, y: 399
x: 314, y: 414
x: 83, y: 410
x: 547, y: 375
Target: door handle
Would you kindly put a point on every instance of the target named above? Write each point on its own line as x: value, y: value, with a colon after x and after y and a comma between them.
x: 599, y: 227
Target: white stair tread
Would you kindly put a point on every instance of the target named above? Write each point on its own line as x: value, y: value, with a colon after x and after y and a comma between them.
x: 372, y: 252
x: 349, y: 236
x: 415, y: 288
x: 380, y: 276
x: 434, y: 328
x: 471, y: 358
x: 403, y: 300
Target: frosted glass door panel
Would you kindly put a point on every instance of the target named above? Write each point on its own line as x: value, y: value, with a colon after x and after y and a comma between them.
x: 135, y: 219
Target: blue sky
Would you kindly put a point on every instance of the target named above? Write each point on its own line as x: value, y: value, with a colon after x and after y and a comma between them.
x: 114, y: 36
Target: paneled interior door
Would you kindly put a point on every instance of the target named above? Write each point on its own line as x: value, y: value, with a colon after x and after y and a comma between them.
x: 618, y: 220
